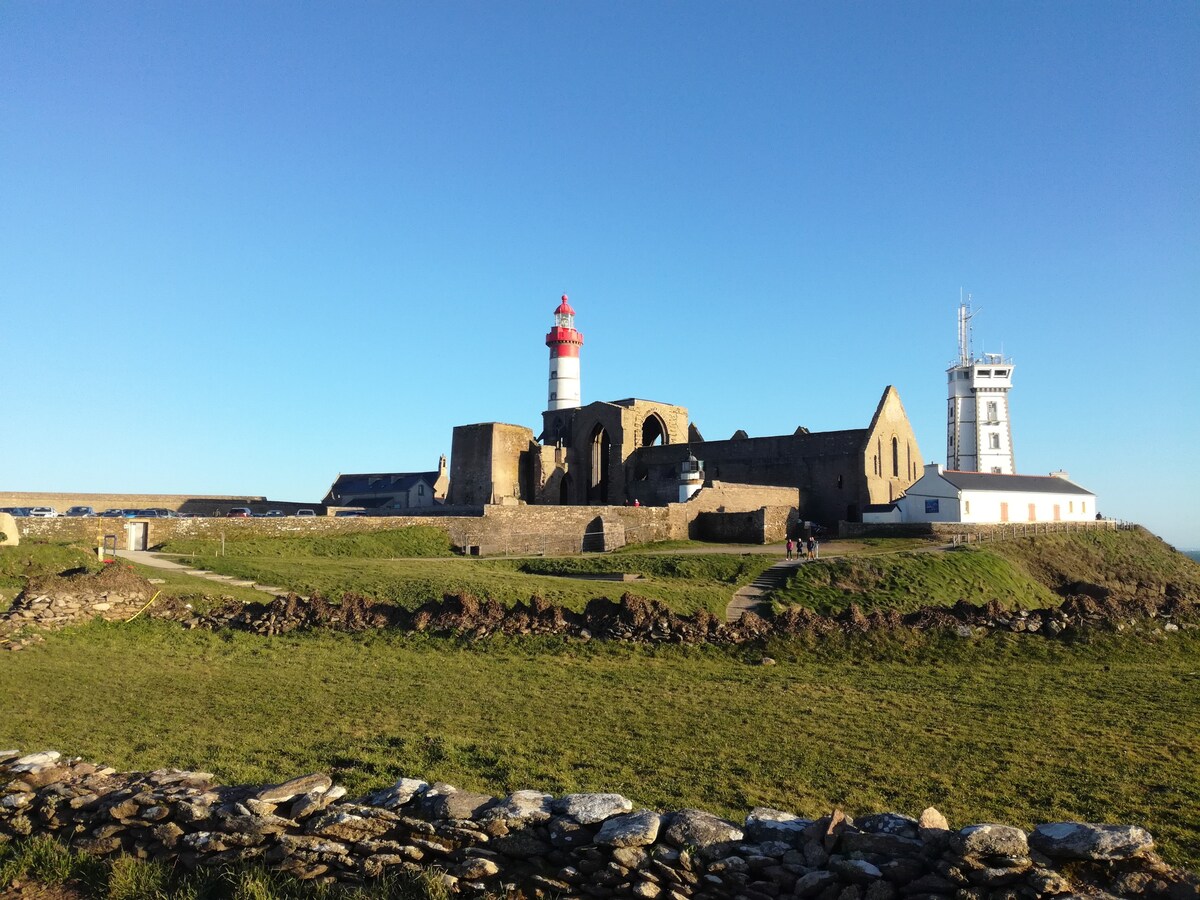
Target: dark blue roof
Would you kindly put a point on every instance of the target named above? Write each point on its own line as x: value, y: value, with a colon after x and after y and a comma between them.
x: 1025, y: 484
x: 385, y: 483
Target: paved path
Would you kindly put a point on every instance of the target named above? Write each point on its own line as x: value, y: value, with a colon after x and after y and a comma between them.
x: 146, y: 558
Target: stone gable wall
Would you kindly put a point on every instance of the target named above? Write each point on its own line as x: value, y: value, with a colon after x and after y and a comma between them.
x: 601, y: 845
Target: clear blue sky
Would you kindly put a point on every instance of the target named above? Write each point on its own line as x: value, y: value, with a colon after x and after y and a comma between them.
x: 247, y: 246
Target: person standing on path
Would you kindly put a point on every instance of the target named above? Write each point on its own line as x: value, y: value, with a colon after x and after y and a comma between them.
x: 812, y: 547
x: 789, y: 548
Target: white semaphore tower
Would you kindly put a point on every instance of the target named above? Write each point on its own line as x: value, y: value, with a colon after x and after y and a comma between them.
x: 978, y: 430
x: 564, y: 343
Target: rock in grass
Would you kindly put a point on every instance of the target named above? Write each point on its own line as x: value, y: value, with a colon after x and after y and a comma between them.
x: 696, y: 828
x: 932, y: 826
x: 521, y: 808
x: 1083, y: 840
x: 590, y: 809
x: 400, y: 793
x: 306, y: 784
x: 990, y: 840
x: 34, y: 761
x: 765, y: 824
x: 639, y: 829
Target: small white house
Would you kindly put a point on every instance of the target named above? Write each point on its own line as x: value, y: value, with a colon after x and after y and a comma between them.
x: 882, y: 514
x: 942, y: 495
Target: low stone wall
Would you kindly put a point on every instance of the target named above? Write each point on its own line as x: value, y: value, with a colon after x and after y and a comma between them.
x: 200, y: 504
x: 488, y: 530
x: 118, y: 593
x: 950, y: 530
x: 532, y: 844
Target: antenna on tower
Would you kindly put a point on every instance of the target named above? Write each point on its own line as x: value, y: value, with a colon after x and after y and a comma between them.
x: 964, y: 329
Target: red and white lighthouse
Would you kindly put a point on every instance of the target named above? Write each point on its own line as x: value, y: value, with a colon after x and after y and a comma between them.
x: 564, y: 343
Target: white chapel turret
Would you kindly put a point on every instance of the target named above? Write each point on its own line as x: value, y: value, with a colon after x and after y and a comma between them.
x: 564, y: 343
x: 978, y: 429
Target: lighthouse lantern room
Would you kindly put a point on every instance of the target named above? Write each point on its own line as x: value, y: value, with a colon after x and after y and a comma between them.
x: 564, y: 343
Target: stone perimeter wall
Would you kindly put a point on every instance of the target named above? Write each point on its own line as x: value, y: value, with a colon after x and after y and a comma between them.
x: 532, y: 844
x: 493, y: 529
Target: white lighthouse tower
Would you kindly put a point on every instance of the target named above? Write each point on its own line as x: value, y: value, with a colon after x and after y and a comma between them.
x: 978, y: 430
x: 564, y: 343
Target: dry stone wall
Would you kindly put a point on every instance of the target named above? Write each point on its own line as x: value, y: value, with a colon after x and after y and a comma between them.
x: 118, y: 593
x: 532, y: 844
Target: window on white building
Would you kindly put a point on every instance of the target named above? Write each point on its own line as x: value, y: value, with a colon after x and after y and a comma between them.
x: 996, y: 470
x: 991, y: 412
x: 994, y: 441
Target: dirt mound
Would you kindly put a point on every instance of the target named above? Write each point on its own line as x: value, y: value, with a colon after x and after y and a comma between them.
x: 114, y: 578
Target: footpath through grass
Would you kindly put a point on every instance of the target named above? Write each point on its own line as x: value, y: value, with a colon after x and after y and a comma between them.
x: 372, y: 565
x: 1006, y: 729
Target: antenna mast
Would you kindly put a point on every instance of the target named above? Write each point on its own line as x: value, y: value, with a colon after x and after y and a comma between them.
x: 964, y: 330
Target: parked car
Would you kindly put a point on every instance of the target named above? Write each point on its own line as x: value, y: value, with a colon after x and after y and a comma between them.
x: 304, y: 513
x: 239, y: 512
x: 113, y: 514
x: 80, y: 511
x: 273, y: 514
x: 43, y: 512
x: 346, y: 513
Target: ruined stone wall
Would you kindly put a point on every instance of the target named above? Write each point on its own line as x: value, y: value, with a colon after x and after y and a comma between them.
x: 492, y: 529
x: 495, y: 529
x: 761, y: 526
x: 825, y: 471
x: 892, y: 459
x: 533, y: 844
x: 161, y: 530
x: 486, y: 462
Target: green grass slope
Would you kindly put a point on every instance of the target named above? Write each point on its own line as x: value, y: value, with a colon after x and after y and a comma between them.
x: 1006, y: 729
x: 1027, y: 572
x: 1126, y: 562
x: 413, y: 582
x: 909, y: 580
x: 413, y: 541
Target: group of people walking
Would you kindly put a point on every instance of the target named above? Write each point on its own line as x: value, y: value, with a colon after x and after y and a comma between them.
x: 801, y: 548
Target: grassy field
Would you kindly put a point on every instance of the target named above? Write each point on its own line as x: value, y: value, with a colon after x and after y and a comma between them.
x: 686, y: 581
x: 1003, y: 729
x: 908, y: 580
x: 416, y: 540
x: 1024, y: 572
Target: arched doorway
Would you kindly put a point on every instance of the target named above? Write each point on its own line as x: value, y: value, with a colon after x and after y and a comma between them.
x: 600, y: 446
x: 653, y: 431
x: 564, y: 491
